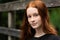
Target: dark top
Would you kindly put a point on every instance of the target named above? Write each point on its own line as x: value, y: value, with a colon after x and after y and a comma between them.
x: 46, y: 37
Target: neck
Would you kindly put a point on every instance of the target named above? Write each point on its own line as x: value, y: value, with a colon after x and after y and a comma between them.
x: 39, y: 32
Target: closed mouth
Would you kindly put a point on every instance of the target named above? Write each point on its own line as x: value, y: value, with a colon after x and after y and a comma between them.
x: 33, y: 24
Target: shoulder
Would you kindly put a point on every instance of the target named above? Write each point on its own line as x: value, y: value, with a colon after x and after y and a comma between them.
x: 47, y: 37
x: 54, y: 37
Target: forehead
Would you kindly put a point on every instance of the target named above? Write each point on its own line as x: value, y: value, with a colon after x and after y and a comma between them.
x: 32, y: 10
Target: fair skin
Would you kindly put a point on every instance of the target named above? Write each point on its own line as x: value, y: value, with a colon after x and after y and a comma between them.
x: 34, y: 20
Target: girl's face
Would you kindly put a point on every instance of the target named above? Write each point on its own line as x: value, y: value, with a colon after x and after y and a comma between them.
x: 34, y: 18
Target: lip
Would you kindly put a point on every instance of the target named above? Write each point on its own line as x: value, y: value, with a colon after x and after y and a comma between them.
x: 33, y: 24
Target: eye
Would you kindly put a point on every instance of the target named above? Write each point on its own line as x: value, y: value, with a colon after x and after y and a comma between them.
x: 36, y: 14
x: 29, y: 16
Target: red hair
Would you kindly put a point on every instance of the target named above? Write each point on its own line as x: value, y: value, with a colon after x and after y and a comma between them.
x: 27, y: 31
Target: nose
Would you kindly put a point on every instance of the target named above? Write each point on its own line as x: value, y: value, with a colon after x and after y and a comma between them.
x: 32, y: 19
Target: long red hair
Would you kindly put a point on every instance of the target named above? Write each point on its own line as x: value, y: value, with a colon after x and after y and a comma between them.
x: 27, y: 31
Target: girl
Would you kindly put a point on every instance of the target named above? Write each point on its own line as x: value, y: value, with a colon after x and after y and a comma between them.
x: 36, y: 25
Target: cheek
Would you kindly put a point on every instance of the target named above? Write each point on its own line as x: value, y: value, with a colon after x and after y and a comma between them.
x: 29, y: 20
x: 38, y: 19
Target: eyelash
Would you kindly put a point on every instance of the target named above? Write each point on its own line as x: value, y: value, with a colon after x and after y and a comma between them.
x: 33, y: 15
x: 29, y: 16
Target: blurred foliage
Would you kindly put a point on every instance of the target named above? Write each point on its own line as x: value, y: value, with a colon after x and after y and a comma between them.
x: 55, y: 17
x: 3, y: 19
x: 3, y: 37
x: 19, y: 17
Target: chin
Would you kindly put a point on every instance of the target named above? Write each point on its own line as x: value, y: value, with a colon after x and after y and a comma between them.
x: 34, y: 27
